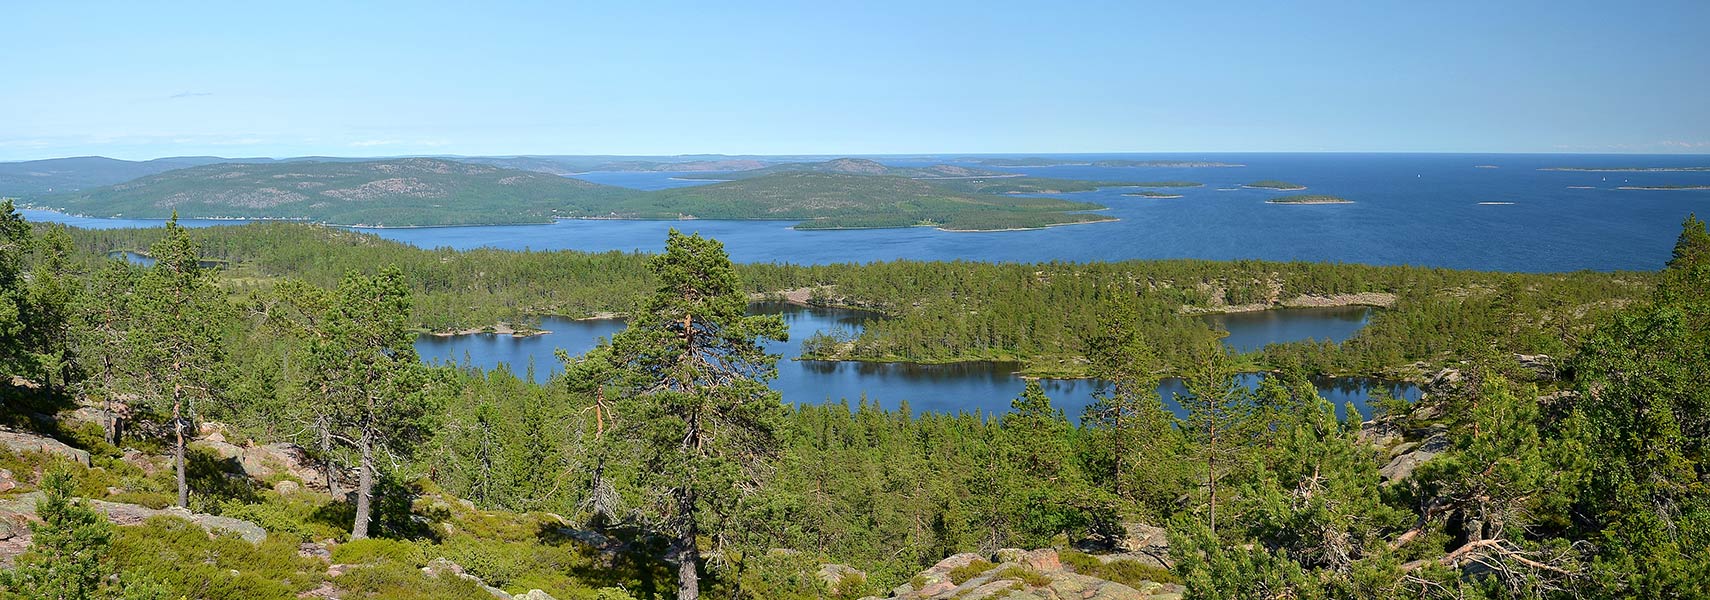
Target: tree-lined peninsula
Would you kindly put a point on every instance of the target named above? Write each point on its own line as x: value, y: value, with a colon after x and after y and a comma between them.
x: 416, y: 192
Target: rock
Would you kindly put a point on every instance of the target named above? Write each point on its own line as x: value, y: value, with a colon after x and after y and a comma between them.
x: 314, y: 550
x: 326, y: 590
x: 1008, y: 555
x: 7, y: 482
x: 131, y: 514
x: 534, y: 595
x: 338, y: 569
x: 287, y: 487
x: 440, y: 566
x: 1443, y: 382
x: 1541, y: 365
x: 1402, y: 466
x: 840, y: 577
x: 140, y: 460
x: 1043, y: 560
x: 1138, y: 542
x: 18, y: 441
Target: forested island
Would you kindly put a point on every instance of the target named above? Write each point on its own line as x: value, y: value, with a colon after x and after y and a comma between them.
x: 277, y: 398
x: 1309, y: 199
x: 1628, y: 169
x: 1064, y: 162
x: 1664, y: 187
x: 1272, y: 184
x: 424, y: 192
x: 1152, y: 194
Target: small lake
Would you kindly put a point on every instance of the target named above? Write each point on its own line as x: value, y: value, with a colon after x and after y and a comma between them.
x: 1249, y: 331
x: 987, y: 387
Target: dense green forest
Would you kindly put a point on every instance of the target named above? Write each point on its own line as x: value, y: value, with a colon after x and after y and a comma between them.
x: 956, y: 311
x: 660, y: 466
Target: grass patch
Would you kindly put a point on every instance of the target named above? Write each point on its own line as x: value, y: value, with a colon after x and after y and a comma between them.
x: 1125, y: 572
x: 962, y: 574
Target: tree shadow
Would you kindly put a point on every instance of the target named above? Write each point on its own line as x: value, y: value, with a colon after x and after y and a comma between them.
x: 615, y: 556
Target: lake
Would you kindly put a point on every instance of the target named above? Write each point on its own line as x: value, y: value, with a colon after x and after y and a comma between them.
x: 987, y: 387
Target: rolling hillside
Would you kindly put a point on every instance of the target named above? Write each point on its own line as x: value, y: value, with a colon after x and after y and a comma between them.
x: 835, y: 201
x: 856, y: 166
x: 400, y: 192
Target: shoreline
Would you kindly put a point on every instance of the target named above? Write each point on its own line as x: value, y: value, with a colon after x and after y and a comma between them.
x: 1371, y: 299
x: 1110, y: 220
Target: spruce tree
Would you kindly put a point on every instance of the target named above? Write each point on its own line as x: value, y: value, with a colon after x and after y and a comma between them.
x: 691, y: 403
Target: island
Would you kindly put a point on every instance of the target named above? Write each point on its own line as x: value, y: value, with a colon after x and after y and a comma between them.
x: 1629, y: 169
x: 1272, y: 184
x: 857, y: 166
x: 431, y: 192
x: 1664, y: 187
x: 1036, y: 161
x: 1152, y: 194
x: 1309, y: 199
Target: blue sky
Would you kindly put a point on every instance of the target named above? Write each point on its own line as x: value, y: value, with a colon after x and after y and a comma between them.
x: 134, y: 80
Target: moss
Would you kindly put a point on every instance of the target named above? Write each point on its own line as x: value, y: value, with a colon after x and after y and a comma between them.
x: 1024, y: 575
x: 377, y: 550
x: 1126, y: 572
x: 962, y: 574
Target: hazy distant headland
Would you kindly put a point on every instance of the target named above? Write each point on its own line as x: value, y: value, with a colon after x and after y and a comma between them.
x: 427, y: 192
x: 1064, y: 162
x: 1629, y: 169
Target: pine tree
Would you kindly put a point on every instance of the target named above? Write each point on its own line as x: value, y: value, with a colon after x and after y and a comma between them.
x: 1218, y: 426
x: 176, y: 342
x: 363, y: 359
x: 67, y: 559
x: 692, y: 402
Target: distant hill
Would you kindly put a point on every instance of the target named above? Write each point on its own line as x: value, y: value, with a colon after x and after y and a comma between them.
x: 572, y: 165
x: 838, y: 200
x: 397, y: 192
x: 435, y: 191
x: 1036, y: 161
x: 857, y: 166
x: 59, y: 175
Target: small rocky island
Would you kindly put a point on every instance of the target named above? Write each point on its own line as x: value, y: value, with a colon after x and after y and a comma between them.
x: 1272, y: 184
x: 1309, y: 199
x: 1152, y: 194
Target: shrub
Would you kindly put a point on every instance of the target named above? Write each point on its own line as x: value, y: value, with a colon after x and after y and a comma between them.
x: 1024, y: 575
x: 962, y: 574
x: 378, y: 550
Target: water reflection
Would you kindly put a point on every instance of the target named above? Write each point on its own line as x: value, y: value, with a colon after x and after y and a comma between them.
x: 986, y: 387
x: 1249, y: 331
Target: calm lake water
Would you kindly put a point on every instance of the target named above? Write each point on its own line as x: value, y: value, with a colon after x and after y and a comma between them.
x: 1251, y: 331
x: 987, y: 387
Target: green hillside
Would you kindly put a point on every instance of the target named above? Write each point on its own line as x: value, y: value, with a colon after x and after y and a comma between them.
x: 433, y: 192
x: 832, y: 201
x: 856, y: 166
x: 400, y: 192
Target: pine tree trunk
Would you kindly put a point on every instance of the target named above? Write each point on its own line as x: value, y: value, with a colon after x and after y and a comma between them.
x: 178, y: 454
x: 364, y: 488
x: 688, y: 554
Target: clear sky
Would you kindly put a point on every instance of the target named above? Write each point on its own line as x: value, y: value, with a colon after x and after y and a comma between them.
x: 140, y: 80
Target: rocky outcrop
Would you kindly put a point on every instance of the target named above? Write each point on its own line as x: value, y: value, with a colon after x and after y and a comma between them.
x: 440, y: 567
x: 23, y: 509
x: 838, y: 577
x: 1138, y: 542
x: 1408, y: 456
x: 20, y: 442
x: 269, y: 461
x: 1021, y: 575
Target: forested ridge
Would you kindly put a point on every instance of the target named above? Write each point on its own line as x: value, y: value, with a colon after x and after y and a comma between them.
x: 660, y: 466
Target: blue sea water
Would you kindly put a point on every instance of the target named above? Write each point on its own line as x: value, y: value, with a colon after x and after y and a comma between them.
x: 1416, y: 209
